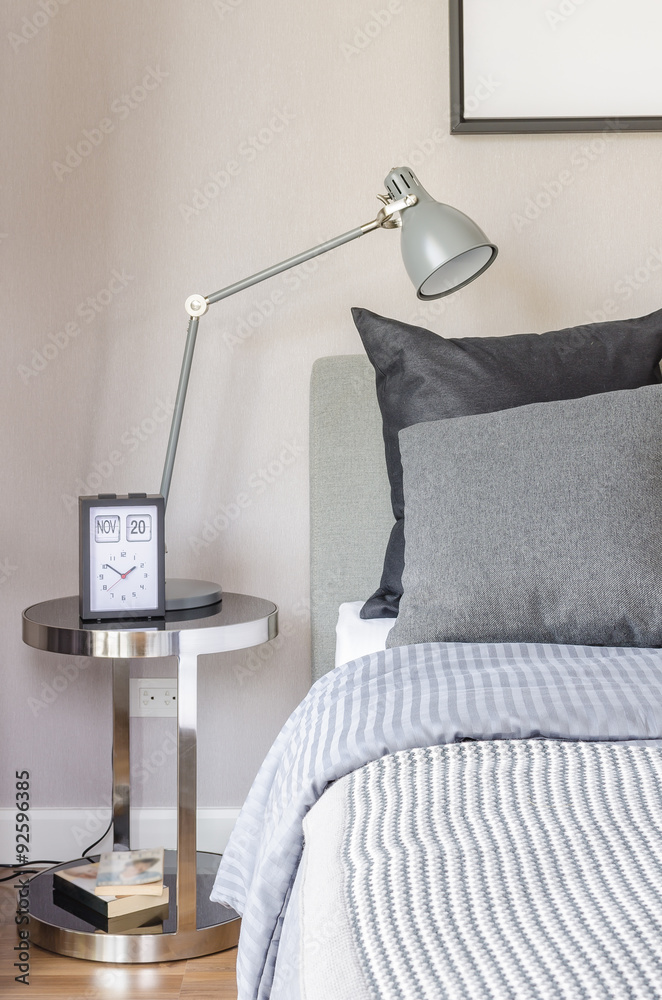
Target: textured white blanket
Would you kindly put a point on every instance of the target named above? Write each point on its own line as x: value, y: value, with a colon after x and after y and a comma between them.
x: 505, y: 870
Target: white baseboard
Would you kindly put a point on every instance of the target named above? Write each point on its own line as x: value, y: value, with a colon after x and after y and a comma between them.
x: 61, y: 834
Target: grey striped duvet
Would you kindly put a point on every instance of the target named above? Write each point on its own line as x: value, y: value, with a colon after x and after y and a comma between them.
x: 406, y: 698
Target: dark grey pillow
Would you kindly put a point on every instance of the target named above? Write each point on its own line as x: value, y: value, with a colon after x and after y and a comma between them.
x: 536, y: 524
x: 422, y: 376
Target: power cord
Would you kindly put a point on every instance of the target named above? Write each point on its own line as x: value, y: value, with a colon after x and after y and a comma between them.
x: 28, y: 869
x: 25, y: 868
x: 99, y: 839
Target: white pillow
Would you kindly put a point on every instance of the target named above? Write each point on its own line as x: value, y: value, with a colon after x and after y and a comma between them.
x: 356, y: 636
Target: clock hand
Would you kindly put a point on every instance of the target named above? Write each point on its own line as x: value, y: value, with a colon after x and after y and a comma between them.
x: 123, y: 576
x: 108, y: 566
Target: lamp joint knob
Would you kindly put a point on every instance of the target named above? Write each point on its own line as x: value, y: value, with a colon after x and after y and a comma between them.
x: 196, y: 305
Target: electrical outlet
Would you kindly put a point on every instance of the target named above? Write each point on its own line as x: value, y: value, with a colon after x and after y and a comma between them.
x: 154, y: 697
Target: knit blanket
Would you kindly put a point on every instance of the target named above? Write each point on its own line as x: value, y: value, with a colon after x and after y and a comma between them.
x: 507, y: 870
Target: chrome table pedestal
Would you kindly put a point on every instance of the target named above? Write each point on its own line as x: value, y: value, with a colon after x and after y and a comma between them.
x: 195, y: 926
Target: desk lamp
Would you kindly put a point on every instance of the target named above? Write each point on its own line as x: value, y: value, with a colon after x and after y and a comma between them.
x: 442, y: 250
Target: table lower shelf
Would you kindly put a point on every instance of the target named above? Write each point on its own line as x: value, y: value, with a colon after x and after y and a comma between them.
x: 58, y: 930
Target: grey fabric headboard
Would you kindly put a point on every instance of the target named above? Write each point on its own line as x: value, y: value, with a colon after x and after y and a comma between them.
x: 350, y: 507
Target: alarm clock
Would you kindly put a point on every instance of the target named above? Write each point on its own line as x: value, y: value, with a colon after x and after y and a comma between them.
x: 122, y: 556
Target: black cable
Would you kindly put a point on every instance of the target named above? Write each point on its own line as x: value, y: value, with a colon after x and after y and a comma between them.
x: 24, y: 868
x: 99, y: 838
x: 27, y: 865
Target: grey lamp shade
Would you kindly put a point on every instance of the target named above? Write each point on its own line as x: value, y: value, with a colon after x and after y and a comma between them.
x: 442, y: 248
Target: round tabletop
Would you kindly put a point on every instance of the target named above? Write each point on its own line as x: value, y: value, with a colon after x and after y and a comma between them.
x: 236, y: 622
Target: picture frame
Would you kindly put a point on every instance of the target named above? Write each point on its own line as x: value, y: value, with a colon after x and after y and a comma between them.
x: 544, y: 66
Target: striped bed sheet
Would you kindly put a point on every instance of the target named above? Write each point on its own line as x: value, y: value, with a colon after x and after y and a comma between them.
x: 403, y: 699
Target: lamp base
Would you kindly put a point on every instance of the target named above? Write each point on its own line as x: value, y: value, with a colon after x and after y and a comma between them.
x: 182, y: 595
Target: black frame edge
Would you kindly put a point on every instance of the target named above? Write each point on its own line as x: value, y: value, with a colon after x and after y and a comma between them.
x: 517, y: 126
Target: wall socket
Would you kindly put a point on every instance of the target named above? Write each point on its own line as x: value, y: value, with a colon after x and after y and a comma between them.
x: 153, y: 697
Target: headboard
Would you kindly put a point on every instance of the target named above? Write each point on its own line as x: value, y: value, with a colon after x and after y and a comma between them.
x: 350, y: 508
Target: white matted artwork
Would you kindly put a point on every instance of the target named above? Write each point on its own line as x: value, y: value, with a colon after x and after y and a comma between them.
x: 555, y: 65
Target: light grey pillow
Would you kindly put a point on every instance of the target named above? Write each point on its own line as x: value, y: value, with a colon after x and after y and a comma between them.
x: 541, y: 523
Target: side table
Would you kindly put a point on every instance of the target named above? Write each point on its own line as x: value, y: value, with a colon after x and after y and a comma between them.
x: 195, y: 926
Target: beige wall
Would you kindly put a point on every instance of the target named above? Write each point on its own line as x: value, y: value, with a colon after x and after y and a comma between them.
x: 330, y: 119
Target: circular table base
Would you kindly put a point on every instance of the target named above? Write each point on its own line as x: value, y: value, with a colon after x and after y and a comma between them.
x: 64, y: 930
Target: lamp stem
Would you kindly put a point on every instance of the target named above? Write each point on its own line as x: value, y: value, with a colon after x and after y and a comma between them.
x: 285, y: 265
x: 179, y: 407
x: 224, y: 293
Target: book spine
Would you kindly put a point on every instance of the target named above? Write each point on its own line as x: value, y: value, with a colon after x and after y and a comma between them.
x: 87, y: 898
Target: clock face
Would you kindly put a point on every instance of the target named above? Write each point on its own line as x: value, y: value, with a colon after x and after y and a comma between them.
x: 121, y: 558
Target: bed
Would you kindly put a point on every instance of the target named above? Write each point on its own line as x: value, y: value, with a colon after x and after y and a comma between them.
x: 468, y: 804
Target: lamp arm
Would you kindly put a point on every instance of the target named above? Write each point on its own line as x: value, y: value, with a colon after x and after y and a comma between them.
x: 180, y: 399
x: 197, y: 305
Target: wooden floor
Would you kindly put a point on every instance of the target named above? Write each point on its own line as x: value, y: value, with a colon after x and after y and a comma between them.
x: 53, y: 976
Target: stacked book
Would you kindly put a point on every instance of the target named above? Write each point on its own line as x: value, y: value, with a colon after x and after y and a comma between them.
x: 121, y: 893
